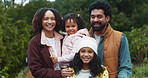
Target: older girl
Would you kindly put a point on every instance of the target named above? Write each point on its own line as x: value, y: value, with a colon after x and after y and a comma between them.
x: 86, y: 63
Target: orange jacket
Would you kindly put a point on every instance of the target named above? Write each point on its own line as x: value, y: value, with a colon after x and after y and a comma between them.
x: 111, y: 49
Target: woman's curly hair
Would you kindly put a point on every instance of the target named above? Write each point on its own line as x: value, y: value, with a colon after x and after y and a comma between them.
x: 38, y: 16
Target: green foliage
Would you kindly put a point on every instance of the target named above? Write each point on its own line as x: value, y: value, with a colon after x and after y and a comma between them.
x: 15, y: 39
x: 30, y: 9
x: 128, y: 13
x: 2, y: 47
x: 22, y: 73
x: 138, y: 40
x: 75, y: 6
x: 140, y: 71
x: 14, y: 35
x: 139, y: 17
x: 16, y: 30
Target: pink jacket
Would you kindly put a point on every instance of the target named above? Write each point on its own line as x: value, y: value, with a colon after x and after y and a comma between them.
x: 68, y: 42
x: 44, y: 41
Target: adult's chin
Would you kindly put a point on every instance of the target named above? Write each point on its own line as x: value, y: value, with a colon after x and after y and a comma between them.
x: 100, y: 28
x: 96, y: 28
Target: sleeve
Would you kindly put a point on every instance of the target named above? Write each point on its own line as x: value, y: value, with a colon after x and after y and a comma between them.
x: 105, y: 73
x: 125, y: 65
x: 66, y: 58
x: 72, y: 42
x: 36, y: 64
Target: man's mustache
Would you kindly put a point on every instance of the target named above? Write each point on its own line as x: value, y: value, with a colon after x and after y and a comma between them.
x: 96, y: 23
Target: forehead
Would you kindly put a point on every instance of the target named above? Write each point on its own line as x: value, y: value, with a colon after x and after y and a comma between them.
x: 70, y: 21
x: 97, y: 11
x: 49, y: 14
x: 86, y: 48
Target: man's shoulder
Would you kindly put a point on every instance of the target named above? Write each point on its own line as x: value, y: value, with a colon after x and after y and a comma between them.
x: 118, y: 32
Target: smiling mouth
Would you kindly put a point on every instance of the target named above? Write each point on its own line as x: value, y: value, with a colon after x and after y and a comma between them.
x: 49, y: 25
x: 85, y: 59
x: 96, y: 25
x: 71, y: 32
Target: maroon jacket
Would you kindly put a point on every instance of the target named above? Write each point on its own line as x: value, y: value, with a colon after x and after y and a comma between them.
x: 39, y: 62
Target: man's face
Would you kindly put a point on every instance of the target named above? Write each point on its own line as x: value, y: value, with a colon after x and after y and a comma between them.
x: 98, y: 19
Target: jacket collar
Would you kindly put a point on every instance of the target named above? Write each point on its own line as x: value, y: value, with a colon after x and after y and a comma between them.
x: 108, y: 31
x: 44, y: 40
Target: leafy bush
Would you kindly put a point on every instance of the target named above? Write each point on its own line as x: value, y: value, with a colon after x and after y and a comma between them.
x: 16, y: 31
x: 140, y: 71
x: 14, y: 36
x: 22, y: 73
x: 138, y: 43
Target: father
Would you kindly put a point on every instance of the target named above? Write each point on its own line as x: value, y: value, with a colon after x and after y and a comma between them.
x: 113, y: 47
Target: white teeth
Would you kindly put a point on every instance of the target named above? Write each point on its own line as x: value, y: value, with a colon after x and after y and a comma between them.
x: 49, y: 25
x: 86, y: 59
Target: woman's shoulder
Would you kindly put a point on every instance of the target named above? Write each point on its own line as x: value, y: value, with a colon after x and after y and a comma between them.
x: 36, y: 38
x: 105, y: 73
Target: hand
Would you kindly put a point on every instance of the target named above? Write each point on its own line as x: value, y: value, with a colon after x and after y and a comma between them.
x: 54, y: 59
x: 67, y: 72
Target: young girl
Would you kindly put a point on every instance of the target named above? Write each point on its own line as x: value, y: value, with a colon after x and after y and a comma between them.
x: 74, y: 26
x: 86, y: 63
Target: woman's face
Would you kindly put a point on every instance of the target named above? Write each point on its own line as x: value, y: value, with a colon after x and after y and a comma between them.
x: 48, y: 21
x: 86, y: 54
x: 71, y: 26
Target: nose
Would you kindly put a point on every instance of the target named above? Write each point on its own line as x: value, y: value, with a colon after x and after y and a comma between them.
x: 70, y: 28
x: 86, y: 54
x: 49, y: 20
x: 96, y: 19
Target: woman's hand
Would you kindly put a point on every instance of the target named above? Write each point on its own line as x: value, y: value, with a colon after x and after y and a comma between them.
x: 67, y: 72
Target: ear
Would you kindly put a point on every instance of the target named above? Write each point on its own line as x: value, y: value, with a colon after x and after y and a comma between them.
x: 107, y: 18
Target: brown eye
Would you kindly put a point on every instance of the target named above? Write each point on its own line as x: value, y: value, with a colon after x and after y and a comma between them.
x: 67, y: 26
x: 82, y: 51
x: 90, y: 51
x: 46, y: 18
x: 92, y: 17
x: 73, y: 26
x: 52, y: 18
x: 99, y: 16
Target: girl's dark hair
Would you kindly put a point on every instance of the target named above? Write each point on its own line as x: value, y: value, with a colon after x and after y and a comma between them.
x: 76, y: 17
x: 37, y: 19
x: 101, y: 5
x: 94, y: 65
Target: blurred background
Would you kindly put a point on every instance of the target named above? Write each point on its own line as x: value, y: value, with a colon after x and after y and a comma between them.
x: 129, y: 16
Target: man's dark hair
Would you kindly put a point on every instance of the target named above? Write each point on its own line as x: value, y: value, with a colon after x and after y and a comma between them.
x: 101, y: 5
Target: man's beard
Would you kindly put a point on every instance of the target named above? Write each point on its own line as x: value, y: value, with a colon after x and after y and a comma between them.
x: 98, y: 28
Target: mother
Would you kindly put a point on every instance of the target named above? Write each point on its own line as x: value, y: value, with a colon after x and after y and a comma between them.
x: 46, y: 43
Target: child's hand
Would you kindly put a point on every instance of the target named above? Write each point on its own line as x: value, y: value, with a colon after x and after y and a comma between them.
x: 54, y: 59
